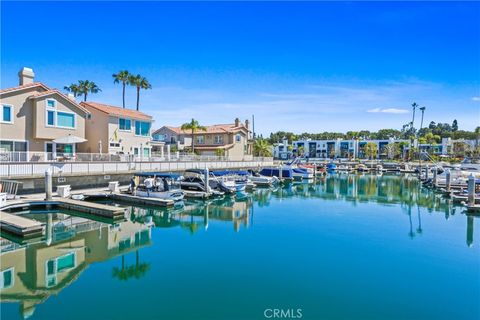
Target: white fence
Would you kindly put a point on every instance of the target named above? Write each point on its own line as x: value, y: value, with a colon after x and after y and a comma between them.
x: 30, y: 156
x: 37, y: 169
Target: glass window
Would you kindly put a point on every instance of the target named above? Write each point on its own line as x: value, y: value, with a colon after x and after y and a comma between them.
x: 125, y: 124
x: 218, y: 139
x: 51, y: 118
x: 159, y: 137
x: 66, y: 262
x: 6, y: 146
x: 142, y: 128
x: 238, y: 138
x: 6, y: 278
x: 65, y: 120
x: 7, y: 113
x: 200, y: 139
x: 51, y: 103
x: 146, y: 152
x: 20, y: 146
x: 50, y: 267
x: 64, y: 148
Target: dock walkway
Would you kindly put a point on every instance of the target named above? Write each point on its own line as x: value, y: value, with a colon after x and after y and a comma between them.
x: 20, y: 226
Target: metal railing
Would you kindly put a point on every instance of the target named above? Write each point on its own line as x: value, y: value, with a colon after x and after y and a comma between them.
x: 38, y: 157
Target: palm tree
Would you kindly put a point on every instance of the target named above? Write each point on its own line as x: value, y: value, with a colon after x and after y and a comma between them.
x: 86, y: 86
x: 73, y: 88
x: 421, y: 122
x: 262, y: 148
x: 194, y: 126
x: 123, y: 77
x: 141, y: 83
x: 414, y: 106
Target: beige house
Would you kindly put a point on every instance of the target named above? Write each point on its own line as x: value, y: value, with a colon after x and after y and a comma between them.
x: 36, y: 121
x: 115, y: 130
x: 232, y: 140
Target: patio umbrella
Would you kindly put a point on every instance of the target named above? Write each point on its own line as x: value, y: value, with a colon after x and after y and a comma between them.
x: 69, y: 139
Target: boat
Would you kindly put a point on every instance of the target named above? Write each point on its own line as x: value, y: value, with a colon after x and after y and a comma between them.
x: 361, y: 168
x: 230, y: 181
x: 166, y: 186
x: 283, y: 173
x: 194, y: 181
x: 331, y: 167
x: 261, y: 180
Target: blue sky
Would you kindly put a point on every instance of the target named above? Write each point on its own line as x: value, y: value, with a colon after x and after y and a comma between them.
x: 312, y: 66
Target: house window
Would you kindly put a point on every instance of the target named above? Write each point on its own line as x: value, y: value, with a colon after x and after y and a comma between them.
x: 51, y: 103
x: 58, y: 265
x: 142, y: 128
x: 50, y: 118
x: 200, y: 139
x: 218, y: 139
x: 65, y: 120
x: 7, y: 278
x: 114, y: 145
x: 146, y: 152
x: 125, y: 124
x: 238, y: 138
x: 159, y: 137
x: 7, y: 113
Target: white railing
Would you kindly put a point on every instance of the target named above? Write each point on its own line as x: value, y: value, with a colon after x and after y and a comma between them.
x: 38, y: 157
x: 37, y: 169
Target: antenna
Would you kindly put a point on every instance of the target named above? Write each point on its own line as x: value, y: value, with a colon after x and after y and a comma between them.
x: 253, y: 126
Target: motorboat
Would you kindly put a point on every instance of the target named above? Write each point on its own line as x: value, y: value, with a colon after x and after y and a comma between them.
x: 280, y: 173
x: 261, y: 180
x: 230, y: 181
x: 165, y: 186
x: 194, y: 180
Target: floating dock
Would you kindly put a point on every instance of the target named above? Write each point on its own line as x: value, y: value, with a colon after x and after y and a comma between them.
x: 20, y: 226
x: 91, y: 208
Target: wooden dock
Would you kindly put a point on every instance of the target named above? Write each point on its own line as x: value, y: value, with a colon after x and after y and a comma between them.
x: 20, y: 226
x: 141, y: 200
x: 91, y: 208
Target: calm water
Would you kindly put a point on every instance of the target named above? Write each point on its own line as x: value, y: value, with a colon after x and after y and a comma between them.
x: 346, y: 247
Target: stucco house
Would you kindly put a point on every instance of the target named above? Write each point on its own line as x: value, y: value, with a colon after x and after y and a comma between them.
x: 39, y: 122
x: 234, y: 139
x: 115, y: 130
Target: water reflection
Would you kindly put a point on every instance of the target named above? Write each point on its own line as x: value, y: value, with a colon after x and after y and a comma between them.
x: 35, y: 271
x: 32, y: 272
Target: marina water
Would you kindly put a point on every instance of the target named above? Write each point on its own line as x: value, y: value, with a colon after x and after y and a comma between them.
x: 343, y: 247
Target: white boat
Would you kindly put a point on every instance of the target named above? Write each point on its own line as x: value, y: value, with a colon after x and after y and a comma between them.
x: 261, y: 180
x: 166, y: 186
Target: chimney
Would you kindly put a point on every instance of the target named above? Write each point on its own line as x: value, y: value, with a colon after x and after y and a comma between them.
x: 71, y: 96
x: 237, y: 122
x: 25, y: 76
x: 247, y: 124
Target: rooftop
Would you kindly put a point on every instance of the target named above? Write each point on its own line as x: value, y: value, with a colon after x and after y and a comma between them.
x: 117, y: 111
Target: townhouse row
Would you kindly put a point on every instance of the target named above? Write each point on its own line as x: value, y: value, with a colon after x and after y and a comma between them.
x: 40, y: 123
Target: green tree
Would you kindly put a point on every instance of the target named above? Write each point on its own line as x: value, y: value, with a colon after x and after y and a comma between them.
x: 193, y: 126
x: 454, y: 125
x: 85, y: 87
x: 73, y: 88
x: 220, y: 152
x: 140, y: 83
x: 262, y: 148
x: 393, y: 150
x: 123, y: 77
x: 371, y: 150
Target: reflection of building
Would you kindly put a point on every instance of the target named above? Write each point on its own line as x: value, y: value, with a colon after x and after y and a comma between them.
x: 31, y: 273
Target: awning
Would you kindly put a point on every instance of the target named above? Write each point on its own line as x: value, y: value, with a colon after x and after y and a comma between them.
x: 69, y: 139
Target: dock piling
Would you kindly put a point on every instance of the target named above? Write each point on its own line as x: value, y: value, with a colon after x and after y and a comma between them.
x: 207, y: 185
x: 48, y: 184
x: 471, y: 190
x: 434, y: 177
x: 448, y: 180
x: 426, y: 172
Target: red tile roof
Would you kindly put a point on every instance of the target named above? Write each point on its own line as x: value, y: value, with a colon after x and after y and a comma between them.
x: 25, y: 86
x: 216, y: 128
x: 117, y: 111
